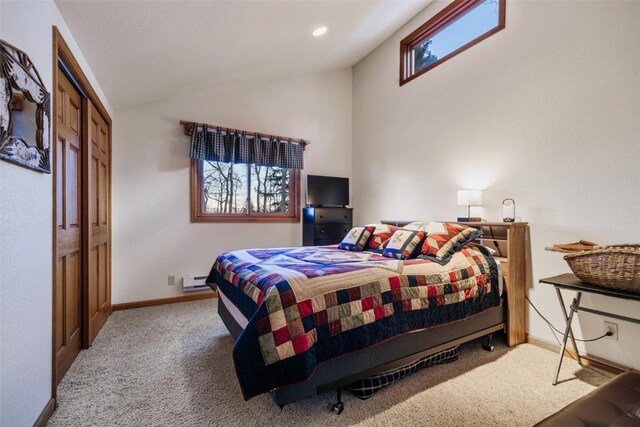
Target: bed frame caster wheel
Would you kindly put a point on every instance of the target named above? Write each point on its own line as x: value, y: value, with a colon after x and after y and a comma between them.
x: 488, y: 346
x: 337, y: 408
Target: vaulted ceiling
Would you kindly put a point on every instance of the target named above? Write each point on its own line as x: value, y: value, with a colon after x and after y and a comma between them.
x: 147, y: 51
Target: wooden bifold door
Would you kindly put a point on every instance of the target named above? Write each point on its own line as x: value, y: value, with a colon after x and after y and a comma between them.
x: 82, y: 218
x: 68, y: 280
x: 98, y: 214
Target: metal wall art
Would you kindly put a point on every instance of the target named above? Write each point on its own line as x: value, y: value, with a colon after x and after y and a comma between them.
x: 24, y: 131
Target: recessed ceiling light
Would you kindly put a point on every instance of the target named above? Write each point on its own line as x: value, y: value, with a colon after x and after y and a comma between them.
x: 319, y: 31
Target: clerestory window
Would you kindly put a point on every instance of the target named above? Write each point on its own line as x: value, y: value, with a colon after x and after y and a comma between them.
x: 455, y: 29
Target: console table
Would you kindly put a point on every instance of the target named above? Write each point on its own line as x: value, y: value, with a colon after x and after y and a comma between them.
x: 570, y: 282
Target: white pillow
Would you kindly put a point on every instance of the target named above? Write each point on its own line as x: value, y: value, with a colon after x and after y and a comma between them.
x: 430, y: 227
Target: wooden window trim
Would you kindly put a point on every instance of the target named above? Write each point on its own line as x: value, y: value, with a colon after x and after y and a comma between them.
x: 446, y: 16
x: 197, y: 215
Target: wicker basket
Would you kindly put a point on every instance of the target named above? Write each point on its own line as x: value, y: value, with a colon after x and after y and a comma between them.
x: 615, y: 267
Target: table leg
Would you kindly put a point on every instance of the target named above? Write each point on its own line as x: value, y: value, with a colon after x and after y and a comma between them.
x: 564, y: 312
x: 567, y: 331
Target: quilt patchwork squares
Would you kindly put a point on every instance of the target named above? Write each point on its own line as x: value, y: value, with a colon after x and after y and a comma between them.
x: 291, y: 325
x: 294, y: 327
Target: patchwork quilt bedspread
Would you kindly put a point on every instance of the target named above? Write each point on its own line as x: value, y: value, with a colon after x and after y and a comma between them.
x: 311, y: 304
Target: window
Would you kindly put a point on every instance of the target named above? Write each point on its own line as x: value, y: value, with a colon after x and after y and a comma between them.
x: 233, y: 192
x: 456, y: 28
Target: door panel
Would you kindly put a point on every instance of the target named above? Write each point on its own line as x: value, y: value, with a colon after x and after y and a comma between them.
x: 68, y: 276
x: 93, y: 272
x: 102, y: 194
x: 60, y: 104
x: 74, y: 114
x: 72, y: 193
x: 97, y: 192
x: 59, y: 307
x: 60, y: 184
x: 93, y: 208
x: 73, y: 294
x: 102, y: 274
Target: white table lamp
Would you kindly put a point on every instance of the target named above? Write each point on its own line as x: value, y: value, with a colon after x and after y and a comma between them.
x: 469, y: 198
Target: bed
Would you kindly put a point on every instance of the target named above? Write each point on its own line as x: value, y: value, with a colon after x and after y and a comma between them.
x: 313, y: 319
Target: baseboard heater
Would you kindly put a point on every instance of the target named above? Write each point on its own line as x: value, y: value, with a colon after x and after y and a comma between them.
x: 194, y: 283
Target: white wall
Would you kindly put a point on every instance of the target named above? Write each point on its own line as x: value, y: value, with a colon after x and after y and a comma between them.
x: 152, y: 233
x: 545, y: 112
x: 25, y: 237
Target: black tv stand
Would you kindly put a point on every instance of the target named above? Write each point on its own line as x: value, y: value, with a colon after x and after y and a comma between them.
x: 325, y: 225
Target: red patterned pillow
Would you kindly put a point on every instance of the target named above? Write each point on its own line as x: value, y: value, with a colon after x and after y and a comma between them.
x: 381, y: 236
x: 445, y: 238
x: 404, y: 244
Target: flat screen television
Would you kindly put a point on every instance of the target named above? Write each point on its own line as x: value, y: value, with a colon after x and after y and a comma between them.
x: 327, y: 191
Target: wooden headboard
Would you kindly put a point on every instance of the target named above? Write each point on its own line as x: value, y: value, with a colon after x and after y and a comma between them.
x: 508, y: 239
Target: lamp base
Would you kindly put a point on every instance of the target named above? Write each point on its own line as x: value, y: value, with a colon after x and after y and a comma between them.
x: 469, y: 219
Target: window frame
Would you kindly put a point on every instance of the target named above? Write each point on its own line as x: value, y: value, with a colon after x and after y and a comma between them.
x: 198, y: 215
x: 446, y: 16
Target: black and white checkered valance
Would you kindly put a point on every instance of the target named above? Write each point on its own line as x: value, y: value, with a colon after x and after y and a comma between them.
x: 236, y: 147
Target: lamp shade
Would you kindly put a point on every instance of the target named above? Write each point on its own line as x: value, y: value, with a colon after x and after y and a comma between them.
x: 469, y: 197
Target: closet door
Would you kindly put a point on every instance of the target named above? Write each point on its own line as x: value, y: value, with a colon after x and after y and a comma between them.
x: 68, y: 276
x: 98, y: 213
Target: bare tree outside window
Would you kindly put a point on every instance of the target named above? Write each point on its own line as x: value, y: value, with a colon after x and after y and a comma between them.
x: 269, y: 189
x: 224, y: 187
x: 229, y: 188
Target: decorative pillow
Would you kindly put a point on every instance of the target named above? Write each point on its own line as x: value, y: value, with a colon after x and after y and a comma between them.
x: 403, y: 244
x: 380, y: 236
x: 445, y: 238
x: 417, y: 225
x: 356, y: 239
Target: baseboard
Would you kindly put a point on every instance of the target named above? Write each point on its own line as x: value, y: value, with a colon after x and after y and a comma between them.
x: 596, y: 362
x: 162, y: 301
x: 46, y: 413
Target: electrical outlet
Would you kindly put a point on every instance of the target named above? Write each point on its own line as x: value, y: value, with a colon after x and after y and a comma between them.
x: 172, y: 280
x: 613, y: 328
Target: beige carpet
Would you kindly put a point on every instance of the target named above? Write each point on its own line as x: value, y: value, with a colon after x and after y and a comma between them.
x: 171, y: 365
